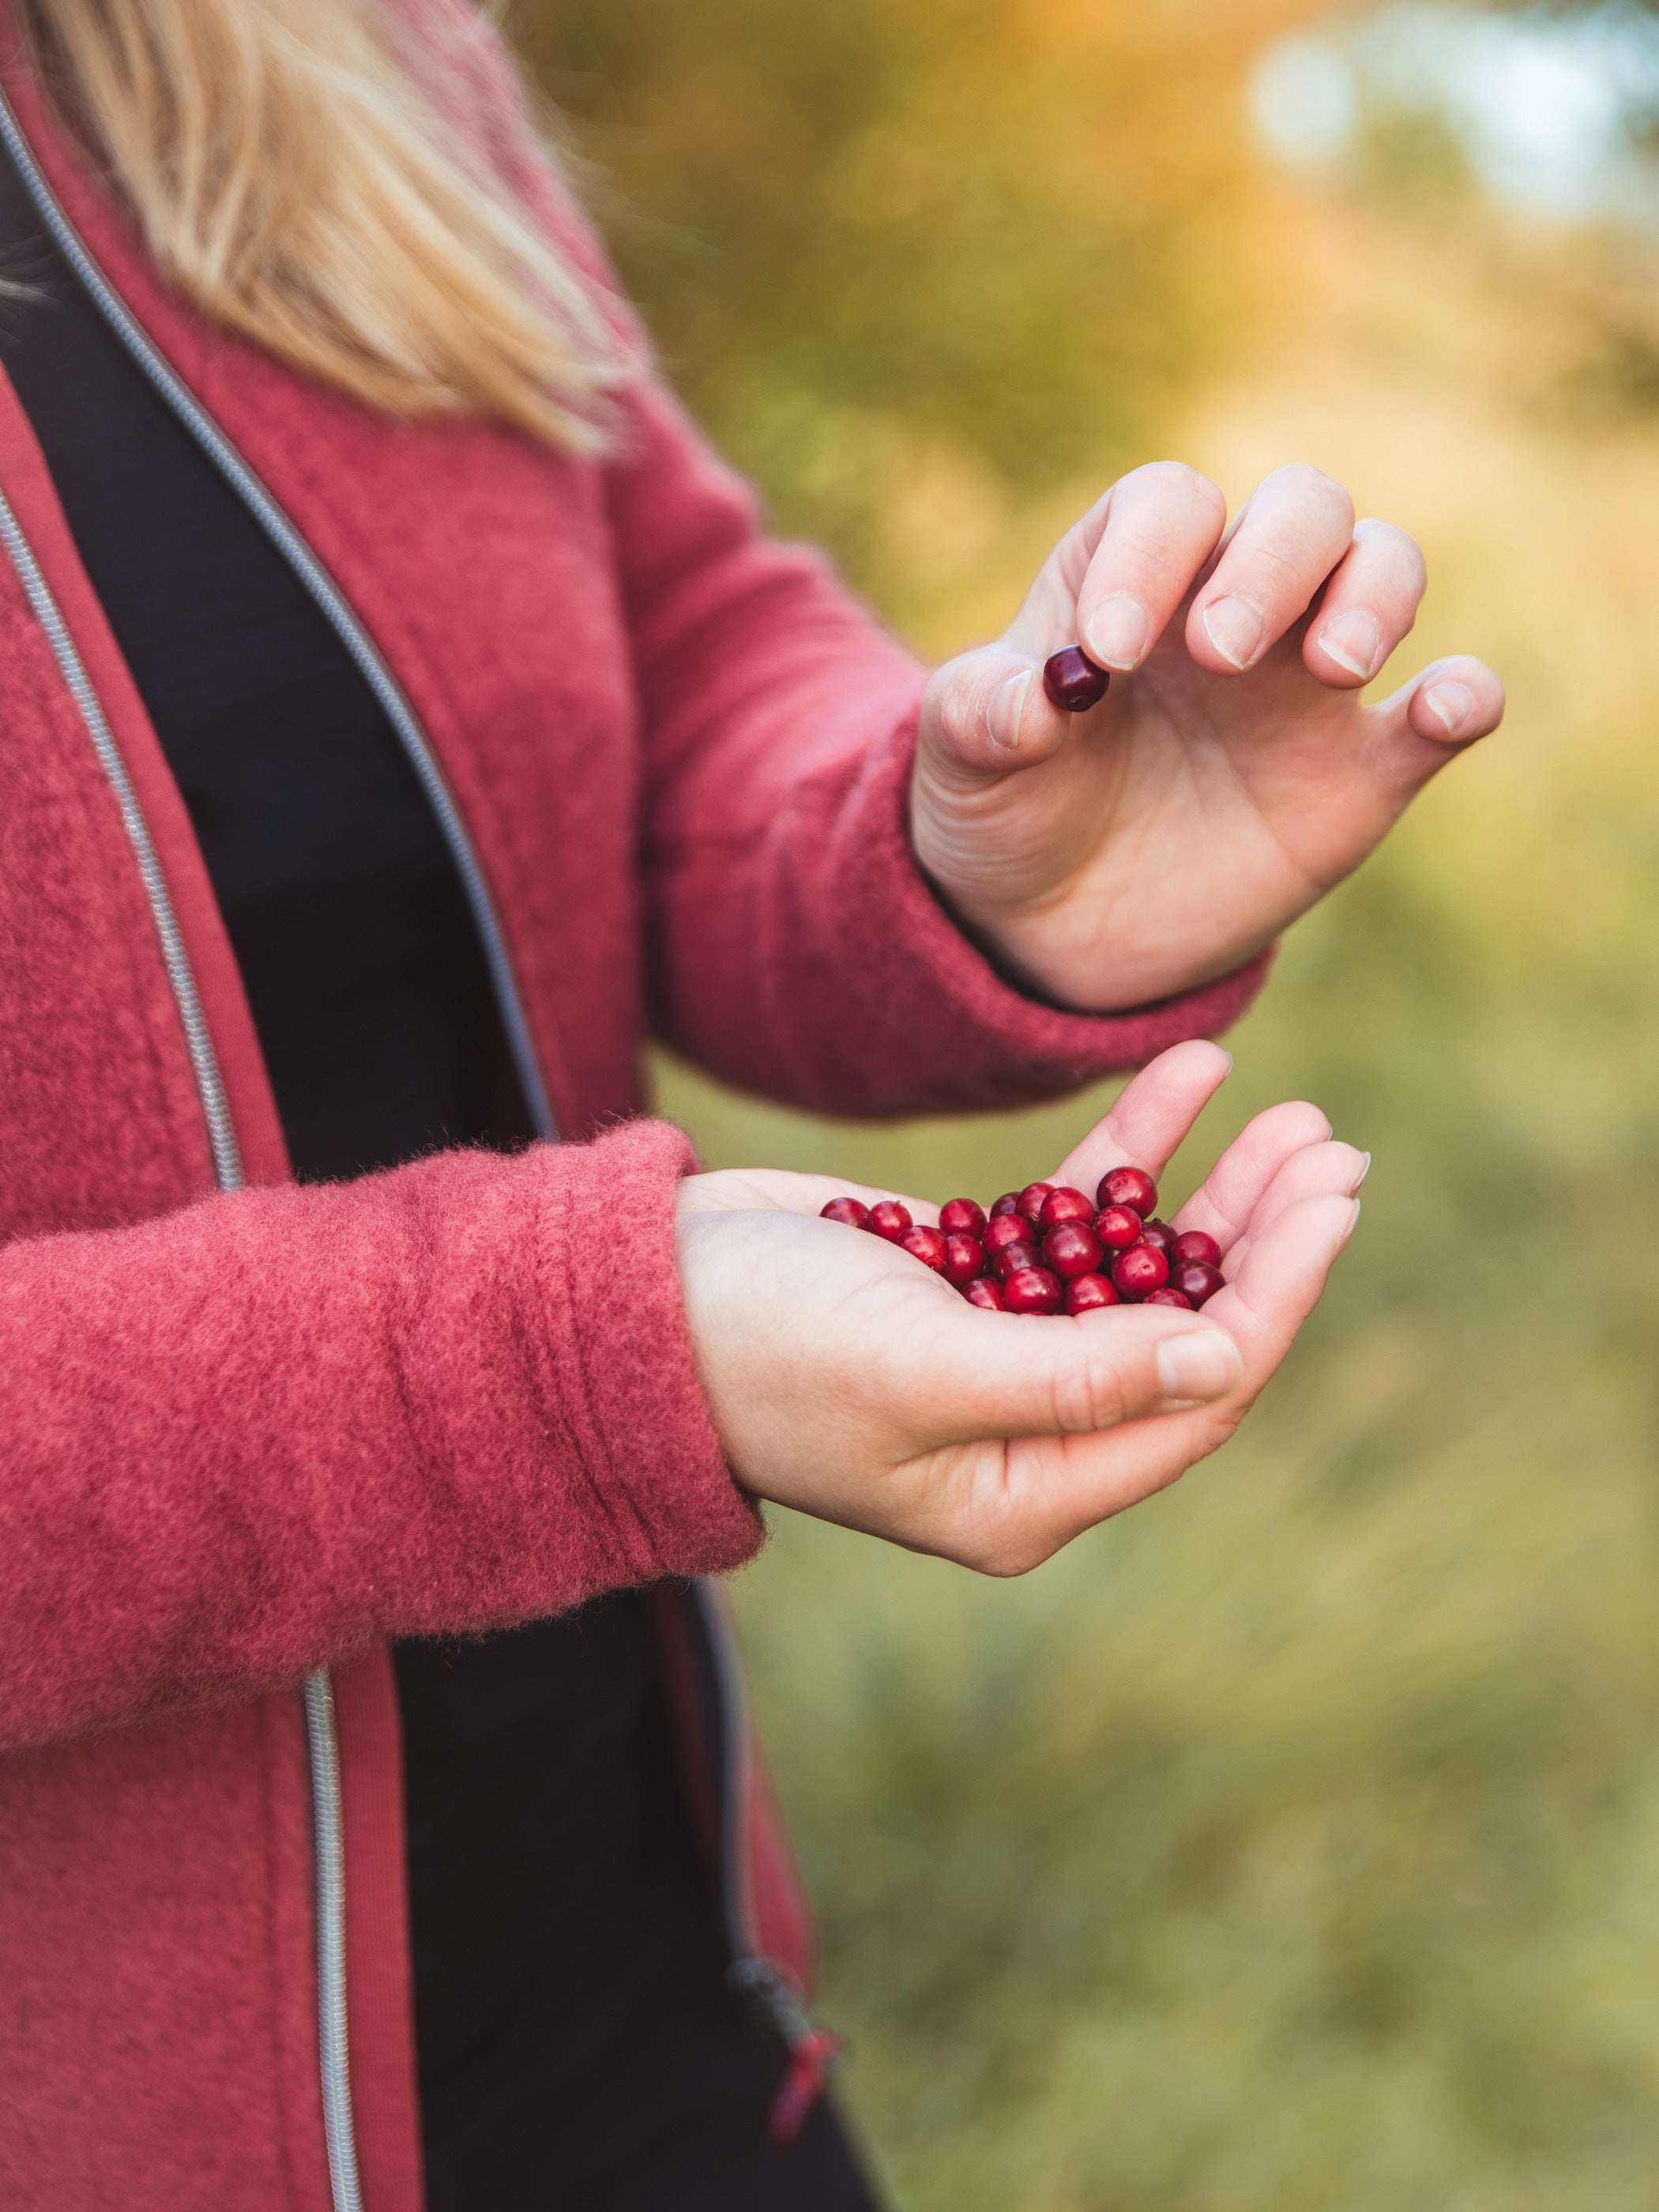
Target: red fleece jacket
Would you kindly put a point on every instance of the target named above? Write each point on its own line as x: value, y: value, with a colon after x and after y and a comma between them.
x: 246, y: 1435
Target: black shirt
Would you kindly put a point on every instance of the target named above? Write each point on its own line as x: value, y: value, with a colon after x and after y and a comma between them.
x: 576, y: 2040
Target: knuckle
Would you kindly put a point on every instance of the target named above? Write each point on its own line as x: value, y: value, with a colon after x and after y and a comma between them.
x: 1179, y: 480
x: 1087, y: 1396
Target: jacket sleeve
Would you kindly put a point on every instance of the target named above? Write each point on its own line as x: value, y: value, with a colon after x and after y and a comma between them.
x: 270, y: 1429
x: 795, y: 946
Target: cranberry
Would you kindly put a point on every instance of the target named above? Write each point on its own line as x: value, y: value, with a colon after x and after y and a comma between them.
x: 1005, y: 1229
x: 1072, y: 1249
x: 890, y: 1219
x: 1118, y: 1227
x: 981, y: 1293
x: 960, y: 1217
x: 1195, y: 1244
x: 926, y: 1245
x: 848, y: 1210
x: 1030, y: 1201
x: 1073, y: 682
x: 965, y: 1258
x: 1083, y: 1293
x: 1167, y: 1297
x: 1065, y: 1204
x: 1008, y: 1203
x: 1012, y: 1257
x: 1127, y: 1186
x: 1197, y: 1278
x: 1139, y: 1271
x: 1158, y: 1234
x: 1032, y: 1291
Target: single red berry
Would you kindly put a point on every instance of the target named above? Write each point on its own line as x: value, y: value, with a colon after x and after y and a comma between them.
x: 1065, y: 1204
x: 1139, y: 1271
x: 926, y: 1245
x: 1032, y: 1291
x: 1072, y: 1249
x: 1008, y: 1203
x: 846, y: 1210
x: 1012, y: 1257
x: 984, y: 1294
x: 1197, y: 1278
x: 965, y: 1258
x: 1005, y: 1229
x: 960, y: 1217
x: 1083, y: 1293
x: 1118, y: 1227
x: 1127, y: 1186
x: 1073, y: 682
x: 1030, y: 1201
x: 1195, y: 1244
x: 1158, y: 1234
x: 1167, y: 1297
x: 891, y: 1220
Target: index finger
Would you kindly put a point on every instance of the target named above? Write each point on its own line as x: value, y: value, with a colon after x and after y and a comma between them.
x: 1150, y: 1116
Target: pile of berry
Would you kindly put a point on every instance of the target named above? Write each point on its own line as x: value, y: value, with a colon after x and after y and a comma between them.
x: 1049, y: 1248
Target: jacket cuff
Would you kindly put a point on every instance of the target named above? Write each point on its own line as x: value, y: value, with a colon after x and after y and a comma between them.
x: 629, y: 1388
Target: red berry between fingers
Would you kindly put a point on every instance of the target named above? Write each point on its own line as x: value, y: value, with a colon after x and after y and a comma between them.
x: 1085, y: 1293
x: 1118, y: 1227
x: 1073, y: 682
x: 1032, y: 1291
x: 1197, y: 1278
x: 926, y: 1245
x: 1167, y: 1297
x: 1072, y: 1249
x: 890, y: 1219
x: 1158, y: 1234
x: 1030, y: 1201
x: 1139, y: 1271
x: 848, y: 1210
x: 1065, y: 1204
x: 964, y: 1259
x: 1008, y: 1203
x: 960, y: 1217
x: 1005, y: 1229
x: 1128, y: 1187
x: 984, y: 1294
x: 1195, y: 1244
x: 1012, y: 1257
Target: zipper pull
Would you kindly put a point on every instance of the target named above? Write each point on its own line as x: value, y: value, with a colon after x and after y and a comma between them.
x: 814, y: 2050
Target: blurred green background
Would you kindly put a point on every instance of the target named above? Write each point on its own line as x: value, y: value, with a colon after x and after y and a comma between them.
x: 1294, y: 1841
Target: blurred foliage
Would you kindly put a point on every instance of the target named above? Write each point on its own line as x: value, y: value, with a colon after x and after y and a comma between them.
x: 1289, y: 1843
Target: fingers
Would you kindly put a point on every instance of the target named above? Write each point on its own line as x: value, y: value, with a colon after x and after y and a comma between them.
x: 991, y: 1376
x: 1296, y: 526
x: 1150, y: 1115
x: 1370, y: 604
x: 1233, y: 1188
x: 1333, y: 1170
x: 1280, y: 1280
x: 1163, y: 522
x: 1451, y: 704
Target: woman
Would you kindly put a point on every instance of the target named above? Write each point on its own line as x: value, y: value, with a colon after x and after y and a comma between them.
x: 400, y: 710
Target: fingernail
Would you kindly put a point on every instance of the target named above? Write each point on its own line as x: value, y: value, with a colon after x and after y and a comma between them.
x: 1354, y: 641
x: 1116, y: 634
x: 1234, y: 628
x: 1452, y: 705
x: 1007, y: 703
x: 1192, y: 1370
x: 1365, y: 1169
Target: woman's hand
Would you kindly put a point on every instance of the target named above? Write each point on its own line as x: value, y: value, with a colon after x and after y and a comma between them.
x: 846, y: 1380
x: 1229, y: 778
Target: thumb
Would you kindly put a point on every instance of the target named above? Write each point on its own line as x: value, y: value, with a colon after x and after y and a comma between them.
x: 995, y: 1376
x: 986, y: 713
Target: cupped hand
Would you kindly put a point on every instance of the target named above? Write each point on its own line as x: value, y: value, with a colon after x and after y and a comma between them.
x: 846, y: 1380
x: 1229, y: 778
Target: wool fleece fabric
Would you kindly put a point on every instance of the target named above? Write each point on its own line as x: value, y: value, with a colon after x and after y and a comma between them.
x: 247, y: 1434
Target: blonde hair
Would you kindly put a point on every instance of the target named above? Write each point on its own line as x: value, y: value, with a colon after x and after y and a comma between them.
x: 292, y: 177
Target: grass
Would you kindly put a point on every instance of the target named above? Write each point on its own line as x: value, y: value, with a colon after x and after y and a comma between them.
x: 1291, y: 1842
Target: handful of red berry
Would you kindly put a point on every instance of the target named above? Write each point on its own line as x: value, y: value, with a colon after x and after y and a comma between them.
x: 1049, y: 1248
